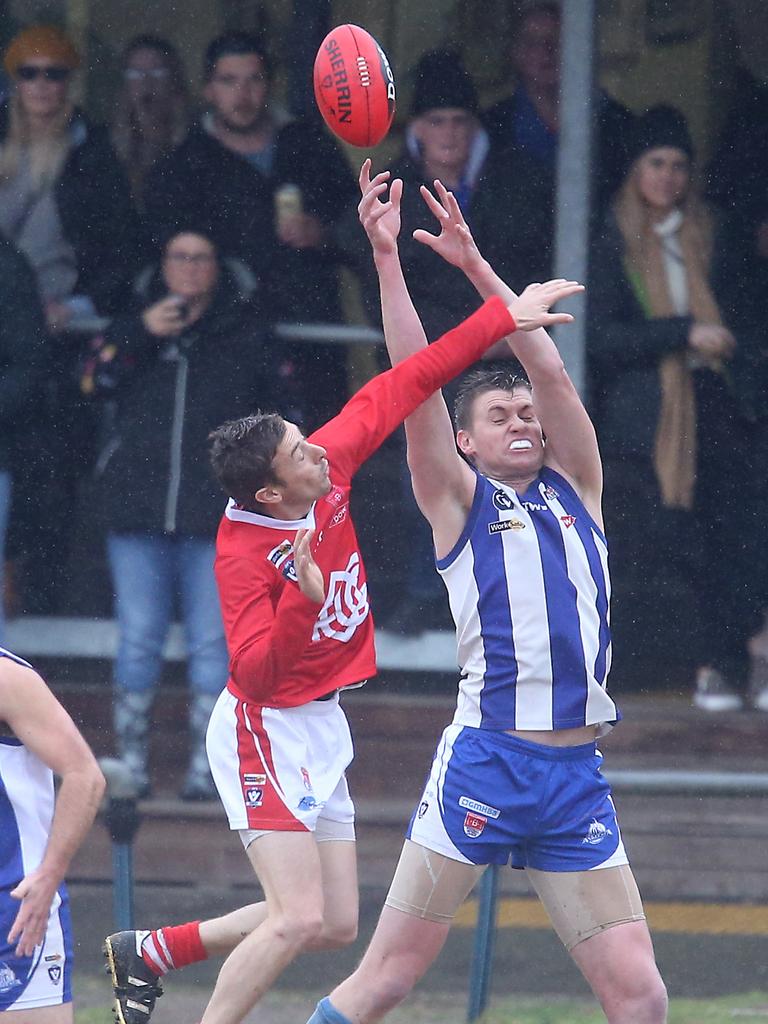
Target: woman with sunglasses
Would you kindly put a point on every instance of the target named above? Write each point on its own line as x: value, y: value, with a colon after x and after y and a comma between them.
x: 66, y: 205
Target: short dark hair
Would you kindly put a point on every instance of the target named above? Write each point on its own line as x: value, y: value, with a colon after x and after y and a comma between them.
x: 242, y: 452
x: 235, y: 44
x: 501, y: 374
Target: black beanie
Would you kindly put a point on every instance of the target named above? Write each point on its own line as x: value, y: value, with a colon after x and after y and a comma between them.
x: 441, y: 80
x: 661, y: 126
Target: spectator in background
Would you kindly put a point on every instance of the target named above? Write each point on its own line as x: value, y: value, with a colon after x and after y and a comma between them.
x: 65, y: 204
x: 529, y: 119
x: 509, y: 213
x: 738, y: 184
x: 233, y: 174
x: 23, y: 355
x: 667, y: 421
x: 153, y: 107
x: 190, y: 354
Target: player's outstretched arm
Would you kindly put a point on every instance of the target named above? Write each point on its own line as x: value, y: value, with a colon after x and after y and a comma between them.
x: 45, y: 728
x: 571, y: 441
x: 439, y: 474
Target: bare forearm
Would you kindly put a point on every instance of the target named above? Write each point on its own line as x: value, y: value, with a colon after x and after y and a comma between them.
x: 535, y: 349
x: 403, y: 330
x: 76, y: 805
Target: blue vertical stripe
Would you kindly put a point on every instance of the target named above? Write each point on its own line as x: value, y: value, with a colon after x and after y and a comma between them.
x: 587, y: 538
x: 569, y: 670
x: 11, y: 863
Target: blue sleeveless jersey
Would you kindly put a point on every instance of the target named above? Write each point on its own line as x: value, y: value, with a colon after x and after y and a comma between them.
x: 529, y: 591
x: 26, y: 805
x: 26, y: 813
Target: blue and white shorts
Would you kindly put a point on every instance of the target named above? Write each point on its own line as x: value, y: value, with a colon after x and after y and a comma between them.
x: 45, y: 978
x: 492, y: 798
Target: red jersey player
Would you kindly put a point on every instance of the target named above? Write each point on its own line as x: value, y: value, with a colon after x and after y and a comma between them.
x: 299, y: 629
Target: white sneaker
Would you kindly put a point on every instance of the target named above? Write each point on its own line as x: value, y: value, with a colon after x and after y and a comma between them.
x: 713, y: 692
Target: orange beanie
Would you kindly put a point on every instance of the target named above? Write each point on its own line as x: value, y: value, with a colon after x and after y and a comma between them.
x: 41, y: 41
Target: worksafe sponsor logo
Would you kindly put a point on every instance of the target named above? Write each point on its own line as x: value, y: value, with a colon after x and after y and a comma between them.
x: 568, y: 520
x: 596, y: 833
x: 475, y: 805
x: 506, y: 524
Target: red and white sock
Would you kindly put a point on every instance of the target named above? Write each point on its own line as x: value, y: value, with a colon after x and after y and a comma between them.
x: 168, y: 949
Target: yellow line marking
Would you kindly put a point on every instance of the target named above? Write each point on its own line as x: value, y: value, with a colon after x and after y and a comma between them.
x: 690, y: 918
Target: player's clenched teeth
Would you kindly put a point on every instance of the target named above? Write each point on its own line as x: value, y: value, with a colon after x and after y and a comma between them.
x: 523, y: 443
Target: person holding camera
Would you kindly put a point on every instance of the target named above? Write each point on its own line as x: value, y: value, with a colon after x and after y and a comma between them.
x: 190, y: 355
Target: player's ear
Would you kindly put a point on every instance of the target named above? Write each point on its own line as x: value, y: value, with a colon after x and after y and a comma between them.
x: 464, y: 443
x: 268, y: 494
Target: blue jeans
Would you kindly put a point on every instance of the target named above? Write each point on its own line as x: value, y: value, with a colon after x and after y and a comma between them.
x: 5, y: 508
x: 148, y: 572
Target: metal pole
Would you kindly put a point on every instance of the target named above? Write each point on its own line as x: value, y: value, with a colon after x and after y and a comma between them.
x: 122, y: 885
x: 122, y: 819
x: 485, y: 940
x: 574, y: 167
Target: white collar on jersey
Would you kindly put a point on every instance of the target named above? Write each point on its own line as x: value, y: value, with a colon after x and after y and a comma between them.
x: 240, y: 515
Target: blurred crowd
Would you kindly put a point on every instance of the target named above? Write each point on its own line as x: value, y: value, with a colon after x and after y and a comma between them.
x: 145, y: 264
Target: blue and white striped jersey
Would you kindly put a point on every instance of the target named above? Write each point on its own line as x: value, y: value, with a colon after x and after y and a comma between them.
x: 26, y: 805
x: 529, y: 591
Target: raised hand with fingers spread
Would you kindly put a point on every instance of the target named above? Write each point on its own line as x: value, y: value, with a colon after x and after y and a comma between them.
x: 380, y: 217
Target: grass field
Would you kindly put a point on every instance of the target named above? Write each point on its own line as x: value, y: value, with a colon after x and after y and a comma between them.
x: 185, y: 1006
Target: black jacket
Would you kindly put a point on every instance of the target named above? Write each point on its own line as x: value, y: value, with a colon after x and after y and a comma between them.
x: 154, y: 470
x: 613, y: 137
x: 625, y: 349
x: 205, y: 185
x: 24, y: 351
x: 97, y: 215
x: 510, y: 218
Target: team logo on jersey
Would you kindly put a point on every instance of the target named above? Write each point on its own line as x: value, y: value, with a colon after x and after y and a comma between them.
x: 253, y: 789
x: 475, y: 805
x: 502, y: 501
x: 8, y: 979
x: 550, y: 493
x: 279, y: 558
x: 568, y: 520
x: 474, y: 824
x: 346, y: 604
x: 596, y: 833
x: 279, y: 554
x: 54, y: 973
x: 505, y: 524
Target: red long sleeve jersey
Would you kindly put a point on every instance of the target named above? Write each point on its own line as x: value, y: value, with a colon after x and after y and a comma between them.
x: 284, y: 651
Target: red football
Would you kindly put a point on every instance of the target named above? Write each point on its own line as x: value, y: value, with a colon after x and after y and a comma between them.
x: 354, y: 86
